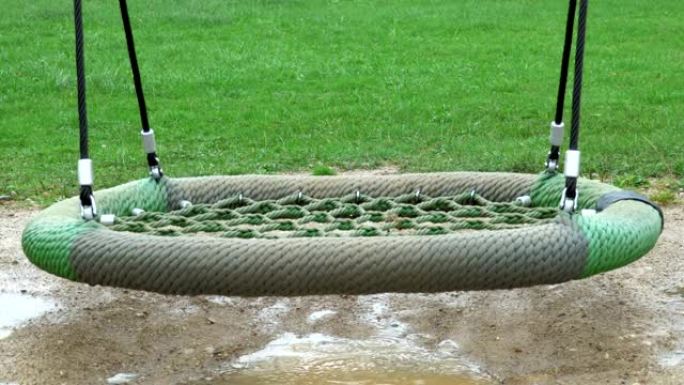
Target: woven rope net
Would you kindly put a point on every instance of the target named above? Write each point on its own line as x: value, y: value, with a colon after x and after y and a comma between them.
x: 352, y: 215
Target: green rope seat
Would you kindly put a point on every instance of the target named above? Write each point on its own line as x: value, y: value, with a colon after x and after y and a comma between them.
x: 301, y: 235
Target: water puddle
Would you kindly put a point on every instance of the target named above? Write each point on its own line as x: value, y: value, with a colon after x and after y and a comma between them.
x: 318, y: 359
x: 341, y: 377
x: 18, y: 309
x: 320, y: 315
x: 672, y: 359
x: 122, y: 378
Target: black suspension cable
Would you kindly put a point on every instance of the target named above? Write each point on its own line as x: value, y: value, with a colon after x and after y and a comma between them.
x: 81, y: 81
x: 571, y: 180
x: 148, y: 134
x: 565, y: 63
x: 130, y: 43
x: 557, y: 125
x: 579, y: 71
x: 85, y: 181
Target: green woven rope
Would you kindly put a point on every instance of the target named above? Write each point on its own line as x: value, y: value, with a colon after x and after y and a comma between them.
x: 620, y: 238
x: 48, y: 243
x: 49, y: 238
x: 549, y: 187
x: 301, y: 216
x: 146, y: 194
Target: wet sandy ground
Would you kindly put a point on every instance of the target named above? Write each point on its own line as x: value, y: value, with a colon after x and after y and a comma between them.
x: 625, y: 327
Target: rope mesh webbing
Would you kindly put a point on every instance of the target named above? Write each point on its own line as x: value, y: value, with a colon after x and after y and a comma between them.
x: 352, y: 215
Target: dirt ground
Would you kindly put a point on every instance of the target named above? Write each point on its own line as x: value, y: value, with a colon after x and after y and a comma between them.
x: 625, y: 327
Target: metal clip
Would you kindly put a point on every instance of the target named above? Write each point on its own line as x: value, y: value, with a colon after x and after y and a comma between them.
x: 551, y: 164
x: 569, y: 205
x: 89, y: 212
x: 471, y: 197
x: 156, y: 172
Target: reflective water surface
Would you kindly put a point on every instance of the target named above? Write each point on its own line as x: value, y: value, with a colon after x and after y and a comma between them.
x: 318, y: 359
x: 19, y: 308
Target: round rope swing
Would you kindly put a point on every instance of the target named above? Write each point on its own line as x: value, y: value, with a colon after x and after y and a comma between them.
x: 303, y: 235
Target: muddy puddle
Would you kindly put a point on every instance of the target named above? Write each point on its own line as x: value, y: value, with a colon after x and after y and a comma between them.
x: 318, y: 359
x: 18, y: 309
x: 390, y: 354
x: 343, y: 377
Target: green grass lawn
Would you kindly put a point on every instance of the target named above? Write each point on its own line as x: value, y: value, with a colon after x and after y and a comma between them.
x: 271, y: 86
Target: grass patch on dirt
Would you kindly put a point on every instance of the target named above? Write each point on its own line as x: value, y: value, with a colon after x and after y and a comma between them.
x: 323, y: 171
x: 269, y: 86
x: 666, y: 191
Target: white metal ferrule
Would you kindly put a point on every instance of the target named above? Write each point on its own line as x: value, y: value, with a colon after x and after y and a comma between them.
x: 524, y: 201
x: 572, y: 163
x: 85, y: 172
x: 108, y: 219
x: 557, y: 130
x: 149, y: 144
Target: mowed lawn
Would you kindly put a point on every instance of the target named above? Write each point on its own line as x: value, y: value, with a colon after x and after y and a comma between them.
x: 274, y: 86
